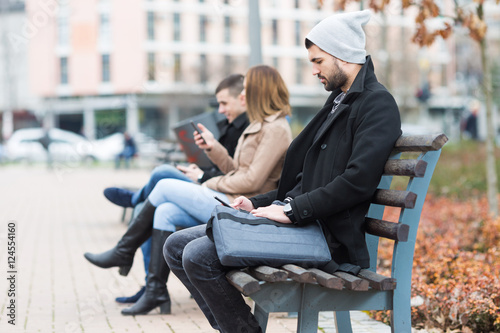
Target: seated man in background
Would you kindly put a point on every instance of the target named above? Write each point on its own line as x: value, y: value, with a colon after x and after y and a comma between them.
x: 227, y: 94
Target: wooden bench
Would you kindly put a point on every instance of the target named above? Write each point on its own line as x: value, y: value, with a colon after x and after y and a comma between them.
x: 307, y: 291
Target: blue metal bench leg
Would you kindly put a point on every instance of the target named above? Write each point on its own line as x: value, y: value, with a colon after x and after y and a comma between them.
x: 261, y: 315
x: 307, y: 321
x: 343, y: 321
x: 403, y: 314
x: 124, y: 213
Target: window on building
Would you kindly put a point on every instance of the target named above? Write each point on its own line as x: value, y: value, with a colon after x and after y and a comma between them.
x: 203, y: 28
x: 298, y: 35
x: 177, y: 68
x: 298, y: 71
x: 63, y: 30
x: 105, y: 68
x: 63, y: 70
x: 104, y: 28
x: 177, y: 26
x: 228, y: 65
x: 227, y: 29
x: 151, y: 25
x: 151, y: 67
x: 275, y: 62
x: 275, y: 32
x: 203, y: 68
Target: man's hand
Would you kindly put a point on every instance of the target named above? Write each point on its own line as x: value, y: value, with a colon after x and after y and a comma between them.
x: 273, y: 212
x: 242, y: 203
x: 207, y: 135
x: 192, y: 171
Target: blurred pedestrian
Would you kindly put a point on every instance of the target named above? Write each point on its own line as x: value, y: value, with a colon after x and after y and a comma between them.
x: 129, y: 151
x: 469, y: 125
x: 45, y: 140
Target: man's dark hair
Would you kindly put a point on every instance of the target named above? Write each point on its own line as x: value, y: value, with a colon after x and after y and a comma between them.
x: 233, y: 82
x: 308, y: 43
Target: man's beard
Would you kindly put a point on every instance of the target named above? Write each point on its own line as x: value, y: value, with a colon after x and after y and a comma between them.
x: 336, y: 80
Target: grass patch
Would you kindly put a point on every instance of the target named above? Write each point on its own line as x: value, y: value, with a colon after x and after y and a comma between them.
x: 461, y: 170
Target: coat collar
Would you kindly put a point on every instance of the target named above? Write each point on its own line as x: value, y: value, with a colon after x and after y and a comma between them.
x: 365, y: 75
x: 256, y: 126
x: 241, y: 120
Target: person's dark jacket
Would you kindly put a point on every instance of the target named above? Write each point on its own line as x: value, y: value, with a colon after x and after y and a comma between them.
x: 229, y: 135
x: 333, y: 178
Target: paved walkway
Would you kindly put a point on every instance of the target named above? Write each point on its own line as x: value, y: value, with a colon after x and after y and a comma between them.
x: 61, y: 214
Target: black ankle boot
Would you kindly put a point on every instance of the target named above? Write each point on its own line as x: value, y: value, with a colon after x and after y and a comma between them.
x: 122, y: 255
x: 156, y: 287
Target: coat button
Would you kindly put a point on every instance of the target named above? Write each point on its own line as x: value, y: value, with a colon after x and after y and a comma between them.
x: 323, y: 146
x: 305, y: 212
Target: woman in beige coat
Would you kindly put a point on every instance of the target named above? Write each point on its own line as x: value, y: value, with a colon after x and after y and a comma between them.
x: 259, y: 156
x: 174, y: 203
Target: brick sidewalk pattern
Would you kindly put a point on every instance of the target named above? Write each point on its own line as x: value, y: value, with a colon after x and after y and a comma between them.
x: 60, y: 214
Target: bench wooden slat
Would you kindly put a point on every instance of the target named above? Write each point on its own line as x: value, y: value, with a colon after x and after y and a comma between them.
x: 395, y: 231
x: 410, y: 168
x: 299, y: 274
x: 353, y: 282
x: 421, y: 143
x: 378, y: 281
x: 395, y: 198
x: 245, y: 283
x: 327, y: 280
x: 268, y: 274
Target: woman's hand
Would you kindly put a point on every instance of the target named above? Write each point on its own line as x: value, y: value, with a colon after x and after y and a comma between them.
x: 242, y: 203
x: 273, y: 212
x: 204, y: 140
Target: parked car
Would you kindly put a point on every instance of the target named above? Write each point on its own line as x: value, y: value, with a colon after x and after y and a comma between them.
x: 26, y: 145
x: 65, y: 147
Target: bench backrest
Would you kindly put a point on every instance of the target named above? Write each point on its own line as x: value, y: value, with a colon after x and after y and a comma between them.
x: 417, y: 171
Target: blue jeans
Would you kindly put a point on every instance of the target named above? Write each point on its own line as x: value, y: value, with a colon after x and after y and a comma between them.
x: 158, y: 173
x: 171, y: 189
x: 193, y: 259
x: 182, y: 204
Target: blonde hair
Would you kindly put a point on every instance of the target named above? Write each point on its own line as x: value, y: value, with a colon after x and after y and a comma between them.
x: 265, y: 93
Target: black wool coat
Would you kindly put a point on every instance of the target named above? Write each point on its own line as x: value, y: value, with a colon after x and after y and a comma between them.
x: 333, y: 178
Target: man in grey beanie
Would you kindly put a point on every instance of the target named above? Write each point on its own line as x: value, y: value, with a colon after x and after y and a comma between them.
x: 330, y: 173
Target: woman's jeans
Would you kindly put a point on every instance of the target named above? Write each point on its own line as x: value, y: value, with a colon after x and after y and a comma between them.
x: 192, y: 257
x: 158, y: 173
x: 181, y: 204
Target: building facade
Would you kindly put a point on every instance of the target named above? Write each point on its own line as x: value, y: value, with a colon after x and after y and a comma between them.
x: 102, y: 66
x: 16, y: 99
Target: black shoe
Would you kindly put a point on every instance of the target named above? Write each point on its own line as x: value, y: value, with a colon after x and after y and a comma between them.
x: 122, y: 255
x: 119, y: 196
x: 147, y: 303
x: 131, y: 299
x: 156, y: 287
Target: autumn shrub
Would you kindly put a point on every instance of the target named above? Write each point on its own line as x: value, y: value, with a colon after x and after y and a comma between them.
x: 456, y: 267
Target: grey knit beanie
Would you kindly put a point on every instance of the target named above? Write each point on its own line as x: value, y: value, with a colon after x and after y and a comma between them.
x: 342, y: 36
